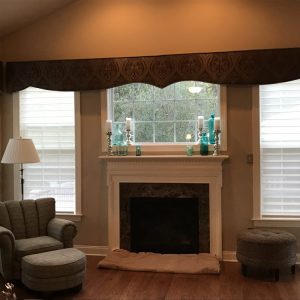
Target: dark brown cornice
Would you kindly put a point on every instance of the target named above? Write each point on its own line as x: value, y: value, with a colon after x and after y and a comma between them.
x: 236, y: 67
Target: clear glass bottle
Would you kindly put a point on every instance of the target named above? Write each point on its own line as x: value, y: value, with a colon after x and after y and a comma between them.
x: 211, y: 129
x: 119, y: 142
x: 204, y: 144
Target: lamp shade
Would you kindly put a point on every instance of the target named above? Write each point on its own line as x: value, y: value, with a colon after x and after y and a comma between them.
x: 20, y: 151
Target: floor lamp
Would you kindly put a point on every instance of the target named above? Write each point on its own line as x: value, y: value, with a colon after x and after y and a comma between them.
x: 20, y: 151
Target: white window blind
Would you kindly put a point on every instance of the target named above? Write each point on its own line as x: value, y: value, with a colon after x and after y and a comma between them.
x: 48, y: 117
x: 280, y: 149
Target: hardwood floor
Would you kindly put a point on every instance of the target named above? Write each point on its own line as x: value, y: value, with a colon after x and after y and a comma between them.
x: 101, y: 284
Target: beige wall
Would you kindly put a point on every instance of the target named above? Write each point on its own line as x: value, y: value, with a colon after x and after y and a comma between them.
x: 7, y: 175
x: 237, y: 174
x: 101, y: 28
x: 93, y: 228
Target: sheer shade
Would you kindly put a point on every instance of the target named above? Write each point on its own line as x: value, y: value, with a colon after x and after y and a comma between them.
x: 280, y: 149
x: 49, y: 118
x: 20, y: 151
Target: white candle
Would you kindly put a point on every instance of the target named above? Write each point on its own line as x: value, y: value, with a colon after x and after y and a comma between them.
x: 200, y: 122
x: 217, y: 123
x: 128, y: 124
x: 108, y: 125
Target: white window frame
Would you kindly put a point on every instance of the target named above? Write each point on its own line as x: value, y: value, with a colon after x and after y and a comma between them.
x: 16, y: 134
x: 258, y: 219
x: 166, y: 148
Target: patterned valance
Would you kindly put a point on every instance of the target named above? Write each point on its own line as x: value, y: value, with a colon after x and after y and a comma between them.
x: 236, y: 67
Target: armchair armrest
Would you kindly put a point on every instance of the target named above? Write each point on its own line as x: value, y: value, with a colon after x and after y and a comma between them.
x: 62, y: 230
x: 7, y: 247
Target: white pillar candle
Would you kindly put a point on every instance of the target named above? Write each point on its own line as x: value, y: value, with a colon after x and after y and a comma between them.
x: 217, y: 123
x: 128, y: 124
x: 108, y: 125
x: 200, y: 122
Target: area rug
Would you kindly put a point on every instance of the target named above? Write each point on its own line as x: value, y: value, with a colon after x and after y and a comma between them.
x: 202, y: 263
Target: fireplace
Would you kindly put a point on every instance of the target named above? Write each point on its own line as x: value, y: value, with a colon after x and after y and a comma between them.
x: 164, y: 225
x: 174, y: 170
x: 164, y: 217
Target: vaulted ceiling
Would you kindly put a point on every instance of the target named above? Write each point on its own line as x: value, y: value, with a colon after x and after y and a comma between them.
x: 14, y: 14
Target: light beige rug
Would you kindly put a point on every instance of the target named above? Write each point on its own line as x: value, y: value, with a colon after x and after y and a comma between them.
x: 202, y: 263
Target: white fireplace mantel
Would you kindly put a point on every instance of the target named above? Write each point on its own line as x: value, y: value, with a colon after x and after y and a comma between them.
x: 165, y: 169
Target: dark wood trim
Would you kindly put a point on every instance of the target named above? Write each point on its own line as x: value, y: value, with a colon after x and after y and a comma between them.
x: 236, y: 67
x: 1, y: 76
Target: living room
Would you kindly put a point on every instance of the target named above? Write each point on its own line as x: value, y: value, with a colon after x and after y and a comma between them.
x: 87, y: 29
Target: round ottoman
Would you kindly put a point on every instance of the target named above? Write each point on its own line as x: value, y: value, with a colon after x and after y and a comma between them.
x: 266, y: 248
x: 54, y: 270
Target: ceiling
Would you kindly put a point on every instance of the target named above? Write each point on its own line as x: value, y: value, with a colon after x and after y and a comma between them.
x: 15, y: 14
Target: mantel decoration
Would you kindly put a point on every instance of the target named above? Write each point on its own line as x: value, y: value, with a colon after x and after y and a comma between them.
x: 233, y: 67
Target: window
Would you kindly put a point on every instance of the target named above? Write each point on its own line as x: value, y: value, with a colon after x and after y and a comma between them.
x: 279, y: 107
x: 165, y: 116
x: 48, y: 117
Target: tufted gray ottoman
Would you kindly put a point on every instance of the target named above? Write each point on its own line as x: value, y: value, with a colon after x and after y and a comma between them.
x: 54, y: 270
x: 266, y: 248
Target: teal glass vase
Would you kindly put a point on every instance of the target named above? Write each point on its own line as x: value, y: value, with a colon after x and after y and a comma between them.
x: 211, y: 129
x: 204, y: 144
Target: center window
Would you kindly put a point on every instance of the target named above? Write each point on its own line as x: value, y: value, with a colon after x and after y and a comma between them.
x: 167, y: 115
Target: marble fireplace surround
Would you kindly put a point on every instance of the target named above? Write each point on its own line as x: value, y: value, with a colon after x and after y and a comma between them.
x: 165, y: 169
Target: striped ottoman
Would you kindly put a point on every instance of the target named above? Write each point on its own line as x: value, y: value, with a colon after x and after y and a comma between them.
x: 266, y: 248
x: 54, y: 270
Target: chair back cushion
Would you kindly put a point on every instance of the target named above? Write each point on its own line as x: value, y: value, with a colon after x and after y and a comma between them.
x: 16, y: 217
x: 30, y: 218
x: 46, y: 212
x: 27, y: 218
x: 4, y: 217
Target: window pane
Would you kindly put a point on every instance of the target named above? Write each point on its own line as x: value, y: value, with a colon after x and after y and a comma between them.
x: 164, y: 115
x: 48, y: 118
x: 280, y: 148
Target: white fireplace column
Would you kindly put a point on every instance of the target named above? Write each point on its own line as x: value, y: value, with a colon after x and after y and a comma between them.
x: 165, y: 169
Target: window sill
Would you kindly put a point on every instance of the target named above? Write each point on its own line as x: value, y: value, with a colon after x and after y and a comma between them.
x: 276, y: 222
x: 71, y: 217
x: 164, y: 157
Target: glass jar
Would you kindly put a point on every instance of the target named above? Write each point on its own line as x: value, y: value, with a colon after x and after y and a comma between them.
x: 204, y: 144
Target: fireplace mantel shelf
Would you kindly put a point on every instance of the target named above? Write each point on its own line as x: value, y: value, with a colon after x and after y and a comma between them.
x: 205, y: 158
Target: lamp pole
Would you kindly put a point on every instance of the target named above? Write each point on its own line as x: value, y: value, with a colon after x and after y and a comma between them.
x: 22, y: 182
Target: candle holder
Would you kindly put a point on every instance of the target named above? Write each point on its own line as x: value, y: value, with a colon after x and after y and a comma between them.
x: 200, y: 132
x: 217, y: 145
x: 128, y: 137
x: 109, y: 147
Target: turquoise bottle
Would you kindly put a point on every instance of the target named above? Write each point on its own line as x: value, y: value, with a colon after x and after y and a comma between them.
x: 211, y: 129
x: 204, y: 144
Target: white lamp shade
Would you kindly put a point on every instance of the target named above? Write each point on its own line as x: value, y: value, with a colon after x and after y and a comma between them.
x: 20, y: 151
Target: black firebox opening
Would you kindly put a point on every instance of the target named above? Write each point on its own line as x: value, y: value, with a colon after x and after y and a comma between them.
x: 164, y: 225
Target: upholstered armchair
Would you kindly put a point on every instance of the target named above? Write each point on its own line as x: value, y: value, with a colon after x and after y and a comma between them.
x: 29, y: 227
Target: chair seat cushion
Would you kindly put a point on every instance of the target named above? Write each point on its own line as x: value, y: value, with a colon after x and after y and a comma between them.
x: 36, y: 245
x: 59, y: 263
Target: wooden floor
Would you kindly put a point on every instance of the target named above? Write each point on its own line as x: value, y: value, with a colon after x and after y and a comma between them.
x: 104, y: 284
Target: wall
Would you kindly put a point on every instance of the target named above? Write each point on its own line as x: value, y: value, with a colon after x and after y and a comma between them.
x: 7, y: 175
x: 116, y: 28
x: 237, y: 174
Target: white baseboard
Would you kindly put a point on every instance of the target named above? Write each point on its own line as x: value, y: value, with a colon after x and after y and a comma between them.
x: 229, y: 256
x: 93, y: 250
